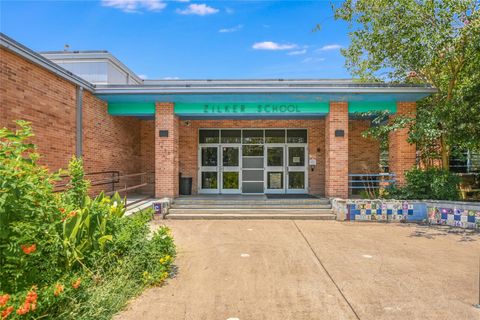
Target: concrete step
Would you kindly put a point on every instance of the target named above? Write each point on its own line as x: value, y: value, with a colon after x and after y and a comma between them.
x: 254, y: 216
x: 251, y: 202
x: 251, y: 206
x: 140, y: 206
x: 250, y: 211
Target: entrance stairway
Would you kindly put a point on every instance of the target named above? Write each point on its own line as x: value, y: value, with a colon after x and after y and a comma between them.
x: 250, y: 208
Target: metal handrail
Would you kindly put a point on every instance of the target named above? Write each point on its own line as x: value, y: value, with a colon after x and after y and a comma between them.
x: 371, y: 180
x: 115, y: 178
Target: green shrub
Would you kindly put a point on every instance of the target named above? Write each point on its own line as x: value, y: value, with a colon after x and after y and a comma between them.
x: 430, y: 184
x: 30, y: 246
x: 77, y: 188
x: 67, y: 256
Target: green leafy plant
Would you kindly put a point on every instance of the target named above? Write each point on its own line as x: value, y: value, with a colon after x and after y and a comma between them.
x: 77, y: 188
x: 430, y: 184
x: 433, y: 42
x: 30, y: 247
x: 67, y: 256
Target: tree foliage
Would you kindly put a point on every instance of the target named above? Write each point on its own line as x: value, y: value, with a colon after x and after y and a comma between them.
x: 434, y: 42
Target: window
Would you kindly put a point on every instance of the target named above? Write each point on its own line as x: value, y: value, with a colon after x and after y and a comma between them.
x: 296, y: 136
x: 465, y: 162
x: 274, y: 136
x: 252, y: 151
x: 209, y: 136
x: 253, y: 136
x: 231, y: 136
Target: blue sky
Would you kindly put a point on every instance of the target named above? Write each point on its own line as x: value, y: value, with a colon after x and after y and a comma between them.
x: 189, y: 39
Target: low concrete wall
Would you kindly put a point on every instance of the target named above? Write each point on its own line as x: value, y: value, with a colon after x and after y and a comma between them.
x: 452, y: 213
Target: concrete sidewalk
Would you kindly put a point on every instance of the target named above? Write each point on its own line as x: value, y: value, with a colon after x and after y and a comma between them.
x: 316, y: 270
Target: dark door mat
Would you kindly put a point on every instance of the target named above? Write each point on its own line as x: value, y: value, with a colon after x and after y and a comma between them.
x: 290, y: 196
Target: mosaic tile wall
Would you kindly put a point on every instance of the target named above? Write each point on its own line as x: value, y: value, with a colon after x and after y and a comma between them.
x: 454, y: 217
x: 378, y: 210
x: 455, y: 214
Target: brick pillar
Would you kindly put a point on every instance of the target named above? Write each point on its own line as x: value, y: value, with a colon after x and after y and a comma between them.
x: 166, y: 151
x: 401, y: 154
x: 336, y: 151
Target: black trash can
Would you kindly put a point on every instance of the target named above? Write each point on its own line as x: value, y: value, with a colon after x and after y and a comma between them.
x: 186, y: 186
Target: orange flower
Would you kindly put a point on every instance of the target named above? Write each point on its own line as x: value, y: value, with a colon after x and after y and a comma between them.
x: 6, y: 312
x: 71, y: 214
x: 4, y: 299
x: 62, y: 210
x: 30, y: 302
x: 29, y: 249
x: 24, y: 309
x: 58, y: 289
x: 76, y: 284
x: 32, y: 296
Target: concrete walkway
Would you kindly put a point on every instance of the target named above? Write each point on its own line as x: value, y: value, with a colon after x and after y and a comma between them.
x: 316, y: 270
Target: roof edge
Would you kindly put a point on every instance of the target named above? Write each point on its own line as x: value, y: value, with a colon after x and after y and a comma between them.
x: 85, y: 55
x: 259, y: 88
x: 32, y: 56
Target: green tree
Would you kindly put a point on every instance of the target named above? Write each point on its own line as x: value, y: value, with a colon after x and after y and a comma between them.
x: 436, y: 42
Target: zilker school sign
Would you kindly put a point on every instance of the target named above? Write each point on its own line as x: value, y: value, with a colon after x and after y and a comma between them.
x: 216, y: 109
x: 296, y: 109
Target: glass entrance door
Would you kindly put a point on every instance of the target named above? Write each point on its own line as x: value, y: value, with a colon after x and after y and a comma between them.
x: 296, y: 169
x: 209, y: 169
x: 252, y: 169
x: 230, y: 169
x: 252, y: 161
x: 275, y: 169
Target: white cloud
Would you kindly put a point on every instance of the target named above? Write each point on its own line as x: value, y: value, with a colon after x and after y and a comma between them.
x: 142, y: 76
x: 171, y: 78
x: 269, y: 45
x: 132, y: 6
x: 229, y: 10
x: 297, y: 53
x: 198, y: 9
x: 233, y: 29
x: 312, y: 60
x: 329, y: 47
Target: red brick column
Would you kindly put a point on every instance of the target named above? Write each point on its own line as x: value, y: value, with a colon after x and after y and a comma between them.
x: 166, y: 151
x: 401, y: 154
x: 336, y: 151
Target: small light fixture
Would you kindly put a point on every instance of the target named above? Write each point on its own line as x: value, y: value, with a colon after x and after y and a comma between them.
x: 312, y: 162
x: 187, y: 123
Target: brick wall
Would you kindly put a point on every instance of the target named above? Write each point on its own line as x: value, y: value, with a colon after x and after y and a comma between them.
x: 110, y: 143
x: 363, y: 153
x: 337, y: 159
x: 32, y: 93
x: 402, y: 155
x: 189, y: 144
x: 166, y: 151
x: 147, y: 153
